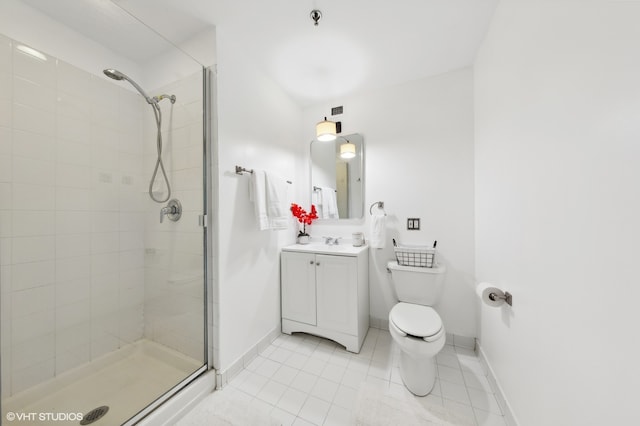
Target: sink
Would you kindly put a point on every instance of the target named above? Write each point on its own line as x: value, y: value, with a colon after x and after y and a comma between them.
x: 345, y: 249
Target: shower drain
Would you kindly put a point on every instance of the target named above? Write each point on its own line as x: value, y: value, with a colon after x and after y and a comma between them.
x: 94, y: 415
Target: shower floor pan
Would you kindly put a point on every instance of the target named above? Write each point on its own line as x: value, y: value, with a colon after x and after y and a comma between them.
x: 126, y: 381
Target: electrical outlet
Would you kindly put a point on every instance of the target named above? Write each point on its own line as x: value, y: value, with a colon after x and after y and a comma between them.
x: 413, y: 224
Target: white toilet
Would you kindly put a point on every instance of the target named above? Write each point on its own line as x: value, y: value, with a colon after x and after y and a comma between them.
x: 415, y: 325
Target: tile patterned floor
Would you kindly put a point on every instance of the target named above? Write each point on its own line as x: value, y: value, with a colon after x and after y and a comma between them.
x: 306, y: 380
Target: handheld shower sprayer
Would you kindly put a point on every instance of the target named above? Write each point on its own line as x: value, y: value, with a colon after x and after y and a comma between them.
x: 117, y: 75
x: 153, y: 101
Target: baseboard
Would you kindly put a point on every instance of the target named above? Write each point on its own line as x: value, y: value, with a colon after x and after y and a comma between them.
x: 461, y: 341
x: 379, y: 323
x: 223, y: 377
x: 509, y: 417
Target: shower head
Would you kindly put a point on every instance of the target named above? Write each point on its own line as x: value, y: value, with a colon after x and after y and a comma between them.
x: 117, y: 75
x: 114, y: 74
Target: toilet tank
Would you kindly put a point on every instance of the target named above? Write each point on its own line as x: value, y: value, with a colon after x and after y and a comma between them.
x: 417, y: 285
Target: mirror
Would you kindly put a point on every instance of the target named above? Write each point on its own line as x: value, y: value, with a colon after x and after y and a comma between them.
x: 337, y: 183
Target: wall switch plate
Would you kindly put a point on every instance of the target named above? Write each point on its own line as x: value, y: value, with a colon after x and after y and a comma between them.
x: 413, y: 224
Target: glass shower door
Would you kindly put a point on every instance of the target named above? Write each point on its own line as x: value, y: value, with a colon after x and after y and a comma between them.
x: 102, y: 303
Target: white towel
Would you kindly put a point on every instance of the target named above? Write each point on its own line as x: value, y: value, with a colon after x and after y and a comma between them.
x: 258, y: 194
x: 276, y: 200
x: 378, y: 236
x: 329, y: 203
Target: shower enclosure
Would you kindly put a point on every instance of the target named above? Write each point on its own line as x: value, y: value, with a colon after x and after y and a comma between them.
x: 102, y: 231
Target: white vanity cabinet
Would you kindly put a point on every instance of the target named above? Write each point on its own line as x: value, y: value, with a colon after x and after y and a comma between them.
x: 325, y: 292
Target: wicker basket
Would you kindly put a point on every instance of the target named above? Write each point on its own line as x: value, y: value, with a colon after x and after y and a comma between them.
x: 420, y: 256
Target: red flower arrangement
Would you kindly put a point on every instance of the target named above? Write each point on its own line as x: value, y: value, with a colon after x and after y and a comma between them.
x: 303, y: 217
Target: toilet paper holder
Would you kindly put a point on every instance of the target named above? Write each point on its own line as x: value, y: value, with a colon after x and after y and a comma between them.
x: 507, y: 297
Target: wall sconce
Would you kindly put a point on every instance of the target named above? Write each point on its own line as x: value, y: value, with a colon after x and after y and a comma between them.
x: 347, y: 150
x: 326, y: 130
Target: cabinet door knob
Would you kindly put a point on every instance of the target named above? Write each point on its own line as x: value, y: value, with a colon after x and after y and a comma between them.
x: 311, y: 262
x: 317, y: 263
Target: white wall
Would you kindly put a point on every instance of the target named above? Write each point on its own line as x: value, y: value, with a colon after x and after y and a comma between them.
x: 418, y: 140
x: 557, y: 101
x: 258, y: 129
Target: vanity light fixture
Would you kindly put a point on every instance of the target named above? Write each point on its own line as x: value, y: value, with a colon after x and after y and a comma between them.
x: 326, y: 130
x: 347, y: 150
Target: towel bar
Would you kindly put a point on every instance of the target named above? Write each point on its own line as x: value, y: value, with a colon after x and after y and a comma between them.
x: 317, y: 188
x: 380, y: 205
x: 240, y: 170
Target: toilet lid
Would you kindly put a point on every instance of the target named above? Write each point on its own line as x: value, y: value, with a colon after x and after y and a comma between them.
x: 416, y: 320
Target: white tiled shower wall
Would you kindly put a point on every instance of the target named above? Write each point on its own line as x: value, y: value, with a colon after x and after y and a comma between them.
x: 72, y: 258
x: 174, y: 273
x: 75, y: 151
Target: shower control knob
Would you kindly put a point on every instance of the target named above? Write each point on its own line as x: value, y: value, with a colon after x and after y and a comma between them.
x: 173, y: 210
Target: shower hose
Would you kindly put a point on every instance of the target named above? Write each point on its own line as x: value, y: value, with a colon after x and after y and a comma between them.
x: 159, y: 164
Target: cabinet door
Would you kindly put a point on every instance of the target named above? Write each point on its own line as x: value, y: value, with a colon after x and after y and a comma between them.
x: 298, y: 287
x: 337, y: 290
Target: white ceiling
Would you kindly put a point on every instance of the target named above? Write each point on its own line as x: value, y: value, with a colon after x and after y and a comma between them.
x: 358, y: 45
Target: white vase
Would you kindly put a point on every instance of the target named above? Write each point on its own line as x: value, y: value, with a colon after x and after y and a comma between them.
x: 304, y: 239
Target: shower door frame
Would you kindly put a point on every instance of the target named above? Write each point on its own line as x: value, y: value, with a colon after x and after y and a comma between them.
x: 207, y: 106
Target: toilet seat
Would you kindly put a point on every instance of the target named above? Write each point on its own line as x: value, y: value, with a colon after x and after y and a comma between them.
x: 416, y: 320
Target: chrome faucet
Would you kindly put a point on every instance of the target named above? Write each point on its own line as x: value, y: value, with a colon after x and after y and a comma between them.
x: 166, y: 211
x: 173, y: 210
x: 331, y: 240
